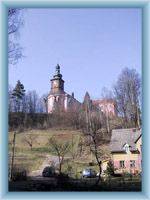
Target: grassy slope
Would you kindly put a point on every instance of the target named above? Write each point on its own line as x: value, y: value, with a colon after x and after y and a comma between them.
x: 32, y: 159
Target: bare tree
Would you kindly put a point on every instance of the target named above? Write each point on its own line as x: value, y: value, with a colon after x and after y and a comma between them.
x: 10, y: 99
x: 106, y: 93
x: 107, y: 97
x: 127, y: 93
x: 73, y: 148
x: 32, y: 101
x: 42, y: 106
x: 30, y: 140
x: 80, y: 146
x: 93, y: 131
x: 15, y: 21
x: 13, y: 143
x: 60, y: 149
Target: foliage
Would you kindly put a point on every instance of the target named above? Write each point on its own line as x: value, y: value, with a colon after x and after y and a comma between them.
x: 19, y: 174
x: 48, y: 171
x: 110, y: 168
x: 18, y: 95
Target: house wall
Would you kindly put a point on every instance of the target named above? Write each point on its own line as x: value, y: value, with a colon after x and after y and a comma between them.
x: 57, y: 99
x: 50, y: 103
x: 126, y: 157
x: 139, y: 147
x: 108, y: 108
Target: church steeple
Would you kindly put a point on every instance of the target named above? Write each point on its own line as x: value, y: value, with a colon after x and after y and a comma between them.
x: 57, y: 69
x: 57, y: 83
x: 57, y: 72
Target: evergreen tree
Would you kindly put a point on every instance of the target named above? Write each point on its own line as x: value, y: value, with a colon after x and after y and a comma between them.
x: 18, y: 95
x: 110, y: 168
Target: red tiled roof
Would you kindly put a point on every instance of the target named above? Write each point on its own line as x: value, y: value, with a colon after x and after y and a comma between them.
x: 101, y: 101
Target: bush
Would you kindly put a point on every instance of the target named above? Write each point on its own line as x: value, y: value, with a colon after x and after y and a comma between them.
x: 110, y: 168
x: 48, y: 171
x: 91, y: 163
x: 19, y: 174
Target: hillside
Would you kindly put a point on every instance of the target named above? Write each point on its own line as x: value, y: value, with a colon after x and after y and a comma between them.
x: 33, y: 158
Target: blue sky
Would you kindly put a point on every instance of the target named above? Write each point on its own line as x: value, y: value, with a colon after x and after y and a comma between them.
x: 92, y: 46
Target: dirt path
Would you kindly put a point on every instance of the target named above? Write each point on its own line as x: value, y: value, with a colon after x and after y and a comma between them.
x: 50, y: 160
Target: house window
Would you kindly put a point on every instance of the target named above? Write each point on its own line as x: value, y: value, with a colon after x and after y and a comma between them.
x: 132, y: 163
x: 122, y: 164
x: 126, y: 148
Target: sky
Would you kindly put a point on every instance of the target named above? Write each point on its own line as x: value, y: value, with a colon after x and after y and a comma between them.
x: 92, y: 46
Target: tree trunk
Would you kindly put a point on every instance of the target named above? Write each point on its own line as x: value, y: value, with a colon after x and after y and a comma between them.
x: 138, y: 117
x: 100, y: 171
x: 107, y: 124
x: 60, y: 164
x: 13, y: 155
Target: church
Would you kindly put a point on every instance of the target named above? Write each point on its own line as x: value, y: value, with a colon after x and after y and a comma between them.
x: 58, y: 99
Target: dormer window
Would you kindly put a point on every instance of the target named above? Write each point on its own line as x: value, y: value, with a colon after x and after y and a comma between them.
x: 126, y: 147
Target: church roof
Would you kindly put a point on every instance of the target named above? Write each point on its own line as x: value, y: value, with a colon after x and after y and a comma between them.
x: 60, y: 92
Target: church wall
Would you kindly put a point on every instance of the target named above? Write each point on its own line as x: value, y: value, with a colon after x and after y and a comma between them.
x: 50, y: 103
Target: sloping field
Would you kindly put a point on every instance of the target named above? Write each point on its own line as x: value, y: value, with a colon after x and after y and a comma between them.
x: 31, y: 159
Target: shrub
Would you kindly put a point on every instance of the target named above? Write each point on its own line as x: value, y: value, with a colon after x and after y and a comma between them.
x: 110, y: 168
x: 19, y: 174
x: 91, y: 163
x: 48, y: 171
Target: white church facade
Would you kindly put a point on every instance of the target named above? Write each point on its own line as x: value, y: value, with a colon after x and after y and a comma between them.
x: 58, y: 99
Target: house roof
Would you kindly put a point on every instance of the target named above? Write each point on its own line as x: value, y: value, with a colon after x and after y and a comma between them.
x: 124, y: 136
x: 103, y: 101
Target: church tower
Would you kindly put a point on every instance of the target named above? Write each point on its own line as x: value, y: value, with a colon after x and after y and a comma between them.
x: 57, y: 83
x: 58, y: 100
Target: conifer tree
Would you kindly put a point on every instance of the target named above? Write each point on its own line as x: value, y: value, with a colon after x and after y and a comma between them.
x: 18, y: 95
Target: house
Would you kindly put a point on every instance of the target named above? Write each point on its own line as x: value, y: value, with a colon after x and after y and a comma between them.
x: 107, y: 106
x: 126, y: 150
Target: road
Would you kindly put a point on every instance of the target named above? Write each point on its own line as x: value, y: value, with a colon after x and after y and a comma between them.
x: 50, y: 160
